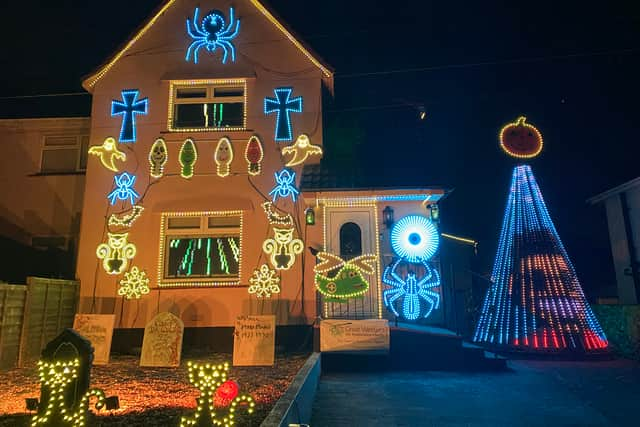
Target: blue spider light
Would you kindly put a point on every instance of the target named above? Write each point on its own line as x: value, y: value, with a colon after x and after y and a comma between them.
x: 411, y: 289
x: 283, y: 105
x: 414, y: 238
x: 128, y: 108
x: 285, y: 185
x: 212, y: 33
x: 124, y: 189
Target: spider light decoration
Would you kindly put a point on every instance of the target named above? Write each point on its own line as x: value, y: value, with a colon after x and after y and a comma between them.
x: 124, y: 189
x: 285, y: 185
x: 219, y: 397
x: 212, y: 33
x: 415, y: 240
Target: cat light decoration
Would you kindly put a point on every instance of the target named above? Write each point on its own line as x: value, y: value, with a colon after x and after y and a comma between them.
x: 116, y: 253
x: 283, y: 248
x: 158, y: 156
x: 223, y: 157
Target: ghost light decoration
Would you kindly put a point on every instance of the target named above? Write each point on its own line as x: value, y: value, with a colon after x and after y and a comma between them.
x: 108, y: 153
x: 254, y: 154
x: 158, y: 156
x: 188, y: 158
x: 301, y: 150
x: 223, y: 157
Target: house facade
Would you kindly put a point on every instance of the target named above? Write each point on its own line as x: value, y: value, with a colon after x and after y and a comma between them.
x: 622, y: 204
x: 202, y: 126
x: 41, y: 196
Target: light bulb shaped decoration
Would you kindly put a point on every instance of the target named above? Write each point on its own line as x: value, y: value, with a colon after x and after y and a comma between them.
x: 223, y: 156
x: 254, y: 154
x: 188, y: 158
x: 158, y: 156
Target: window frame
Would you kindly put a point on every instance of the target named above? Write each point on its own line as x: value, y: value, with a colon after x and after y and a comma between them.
x: 202, y: 231
x: 210, y: 85
x: 76, y: 146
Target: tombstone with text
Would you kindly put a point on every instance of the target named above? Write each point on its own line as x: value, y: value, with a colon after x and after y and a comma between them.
x: 162, y: 343
x: 254, y: 341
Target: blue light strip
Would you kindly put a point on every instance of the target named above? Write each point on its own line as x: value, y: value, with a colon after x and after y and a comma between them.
x: 128, y: 108
x: 535, y: 301
x: 283, y: 105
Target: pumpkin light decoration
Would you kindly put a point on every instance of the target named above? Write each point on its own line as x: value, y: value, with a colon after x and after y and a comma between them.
x: 520, y: 139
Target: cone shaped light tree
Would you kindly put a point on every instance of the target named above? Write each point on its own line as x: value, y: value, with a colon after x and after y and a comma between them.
x: 535, y: 302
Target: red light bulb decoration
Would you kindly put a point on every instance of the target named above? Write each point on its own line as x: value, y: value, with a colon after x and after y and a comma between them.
x: 225, y: 394
x: 520, y: 139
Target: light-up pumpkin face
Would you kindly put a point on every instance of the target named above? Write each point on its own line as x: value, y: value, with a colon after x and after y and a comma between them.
x: 520, y: 139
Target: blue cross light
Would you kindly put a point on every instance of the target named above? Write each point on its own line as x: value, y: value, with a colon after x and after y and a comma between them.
x: 283, y: 105
x: 124, y: 189
x: 285, y: 185
x: 128, y: 108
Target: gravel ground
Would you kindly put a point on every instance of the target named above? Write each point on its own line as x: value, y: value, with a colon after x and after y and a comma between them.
x: 153, y: 396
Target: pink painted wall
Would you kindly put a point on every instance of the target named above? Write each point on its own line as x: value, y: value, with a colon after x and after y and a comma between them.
x: 268, y: 60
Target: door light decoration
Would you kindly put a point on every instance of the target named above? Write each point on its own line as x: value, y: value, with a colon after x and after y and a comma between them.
x: 219, y: 399
x: 285, y: 185
x: 116, y: 253
x: 212, y: 33
x: 520, y: 139
x: 188, y: 158
x: 134, y: 285
x: 283, y: 248
x: 411, y: 290
x: 301, y: 149
x: 264, y: 282
x: 57, y: 377
x: 535, y: 302
x: 158, y: 156
x: 128, y: 108
x: 124, y: 189
x: 414, y: 238
x: 348, y: 281
x: 108, y: 153
x: 254, y: 154
x: 223, y: 157
x: 128, y: 219
x: 274, y: 217
x: 283, y: 105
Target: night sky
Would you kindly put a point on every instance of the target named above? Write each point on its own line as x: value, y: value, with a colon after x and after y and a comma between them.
x: 571, y: 68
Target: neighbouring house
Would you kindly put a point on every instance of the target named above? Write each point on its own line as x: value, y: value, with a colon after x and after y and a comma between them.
x: 622, y: 205
x: 43, y: 176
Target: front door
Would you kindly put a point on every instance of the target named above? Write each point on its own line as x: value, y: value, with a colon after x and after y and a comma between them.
x: 351, y: 232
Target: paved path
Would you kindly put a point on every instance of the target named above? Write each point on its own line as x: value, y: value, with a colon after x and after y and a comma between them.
x: 545, y: 394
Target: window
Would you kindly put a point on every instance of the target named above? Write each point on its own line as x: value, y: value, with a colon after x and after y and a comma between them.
x: 208, y: 105
x: 350, y: 241
x: 201, y: 249
x: 64, y: 154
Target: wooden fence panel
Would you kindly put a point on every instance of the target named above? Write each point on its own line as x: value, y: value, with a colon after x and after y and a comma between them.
x: 12, y: 299
x: 50, y: 307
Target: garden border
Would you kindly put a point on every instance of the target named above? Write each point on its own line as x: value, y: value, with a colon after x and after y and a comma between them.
x: 296, y: 403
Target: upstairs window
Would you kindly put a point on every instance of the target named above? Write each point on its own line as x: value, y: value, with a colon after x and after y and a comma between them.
x: 201, y: 249
x: 208, y: 105
x: 64, y: 154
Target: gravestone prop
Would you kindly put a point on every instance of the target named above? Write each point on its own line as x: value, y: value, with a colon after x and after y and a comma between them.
x: 254, y: 340
x: 64, y: 370
x: 98, y: 329
x: 162, y: 343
